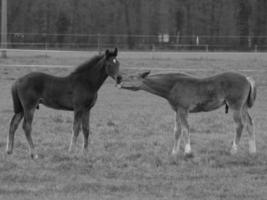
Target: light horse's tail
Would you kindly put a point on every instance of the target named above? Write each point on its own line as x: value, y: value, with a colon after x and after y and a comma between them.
x: 252, y: 93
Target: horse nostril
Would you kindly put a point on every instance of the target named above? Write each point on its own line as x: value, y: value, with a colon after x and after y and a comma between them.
x: 119, y: 79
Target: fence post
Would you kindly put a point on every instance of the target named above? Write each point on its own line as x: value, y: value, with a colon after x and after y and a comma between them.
x: 99, y: 43
x: 255, y: 48
x: 4, y: 29
x: 46, y: 47
x: 153, y: 49
x: 197, y: 40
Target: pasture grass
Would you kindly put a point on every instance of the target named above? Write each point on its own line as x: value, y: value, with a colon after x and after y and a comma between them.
x: 132, y: 135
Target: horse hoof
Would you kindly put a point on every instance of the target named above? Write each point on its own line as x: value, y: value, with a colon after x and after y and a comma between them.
x: 233, y: 151
x: 252, y: 152
x: 188, y: 155
x: 173, y: 159
x: 85, y: 152
x: 9, y: 152
x: 252, y: 147
x: 34, y: 156
x: 71, y: 150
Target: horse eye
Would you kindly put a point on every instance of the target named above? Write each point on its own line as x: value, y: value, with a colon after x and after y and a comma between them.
x: 114, y: 60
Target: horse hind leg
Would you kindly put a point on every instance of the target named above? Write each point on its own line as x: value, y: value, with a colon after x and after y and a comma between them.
x: 250, y: 129
x: 237, y: 115
x: 17, y: 117
x: 27, y: 127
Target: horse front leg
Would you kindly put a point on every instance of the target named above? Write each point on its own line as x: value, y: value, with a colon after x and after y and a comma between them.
x: 185, y: 129
x: 86, y: 130
x: 76, y: 129
x: 177, y: 134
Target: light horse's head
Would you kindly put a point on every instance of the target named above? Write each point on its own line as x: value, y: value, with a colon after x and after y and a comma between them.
x: 112, y: 65
x: 134, y: 82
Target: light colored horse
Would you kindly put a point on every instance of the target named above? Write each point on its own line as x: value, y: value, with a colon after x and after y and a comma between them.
x: 187, y: 94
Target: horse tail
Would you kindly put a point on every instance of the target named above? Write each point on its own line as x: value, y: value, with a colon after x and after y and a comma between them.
x: 252, y: 92
x: 16, y: 101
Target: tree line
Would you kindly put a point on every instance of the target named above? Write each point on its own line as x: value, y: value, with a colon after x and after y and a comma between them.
x: 228, y: 23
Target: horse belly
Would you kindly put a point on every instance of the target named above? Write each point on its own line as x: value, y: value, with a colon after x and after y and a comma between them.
x: 59, y: 101
x: 206, y: 106
x: 56, y: 105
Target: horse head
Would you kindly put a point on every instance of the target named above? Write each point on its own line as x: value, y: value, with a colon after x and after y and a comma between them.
x: 112, y: 65
x: 133, y: 82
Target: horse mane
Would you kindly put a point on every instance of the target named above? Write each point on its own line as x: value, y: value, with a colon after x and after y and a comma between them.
x: 88, y: 64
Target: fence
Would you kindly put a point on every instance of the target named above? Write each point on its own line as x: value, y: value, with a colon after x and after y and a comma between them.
x: 136, y: 42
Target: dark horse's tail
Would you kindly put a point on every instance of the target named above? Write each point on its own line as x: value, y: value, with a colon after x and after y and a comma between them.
x: 252, y: 93
x: 16, y: 101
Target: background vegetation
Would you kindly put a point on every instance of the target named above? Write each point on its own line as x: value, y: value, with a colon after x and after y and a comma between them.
x: 233, y: 24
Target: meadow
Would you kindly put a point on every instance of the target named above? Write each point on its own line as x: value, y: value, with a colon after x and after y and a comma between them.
x: 132, y: 135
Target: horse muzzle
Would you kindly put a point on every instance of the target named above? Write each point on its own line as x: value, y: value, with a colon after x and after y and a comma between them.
x: 118, y: 81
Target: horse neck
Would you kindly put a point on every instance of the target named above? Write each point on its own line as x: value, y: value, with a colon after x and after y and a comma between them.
x: 156, y: 88
x: 98, y: 74
x: 94, y: 76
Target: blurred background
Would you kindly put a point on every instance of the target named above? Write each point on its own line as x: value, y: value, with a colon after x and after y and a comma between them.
x: 173, y: 25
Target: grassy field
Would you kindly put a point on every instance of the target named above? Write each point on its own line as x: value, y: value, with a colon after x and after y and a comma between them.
x: 129, y: 156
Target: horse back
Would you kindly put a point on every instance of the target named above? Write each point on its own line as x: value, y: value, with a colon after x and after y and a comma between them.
x: 206, y: 94
x: 52, y: 91
x: 38, y: 83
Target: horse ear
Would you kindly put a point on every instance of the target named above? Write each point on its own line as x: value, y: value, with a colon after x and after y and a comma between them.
x: 145, y: 74
x: 115, y: 51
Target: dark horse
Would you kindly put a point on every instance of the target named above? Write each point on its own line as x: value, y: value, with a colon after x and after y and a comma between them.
x: 187, y: 94
x: 75, y: 92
